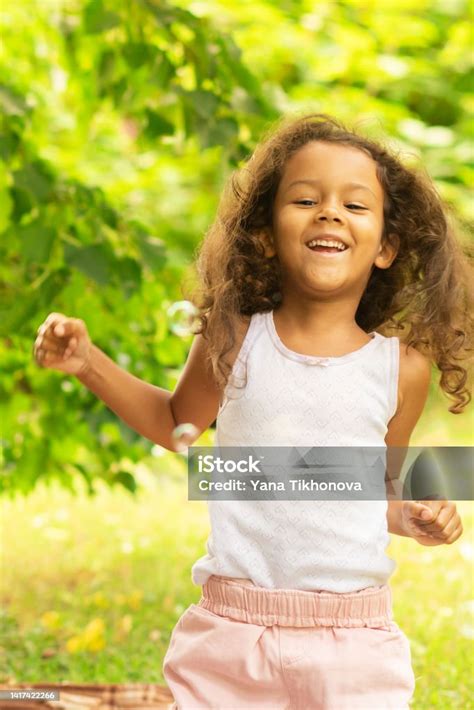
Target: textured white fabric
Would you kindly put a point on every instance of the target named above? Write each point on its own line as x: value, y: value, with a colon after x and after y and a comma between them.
x: 292, y: 399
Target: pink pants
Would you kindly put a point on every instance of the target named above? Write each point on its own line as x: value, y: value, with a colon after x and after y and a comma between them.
x: 248, y: 647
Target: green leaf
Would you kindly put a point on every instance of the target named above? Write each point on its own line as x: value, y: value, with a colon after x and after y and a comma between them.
x: 97, y: 19
x: 9, y: 143
x: 125, y: 479
x: 6, y: 208
x: 153, y: 251
x: 136, y: 54
x: 18, y: 308
x: 87, y: 477
x: 241, y: 76
x: 157, y: 125
x: 107, y: 68
x: 162, y: 72
x: 36, y: 179
x: 204, y: 103
x: 95, y: 261
x: 37, y: 241
x: 23, y: 203
x: 224, y: 131
x: 118, y: 89
x: 128, y: 275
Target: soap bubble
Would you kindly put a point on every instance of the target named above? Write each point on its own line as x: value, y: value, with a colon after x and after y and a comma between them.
x: 183, y: 436
x: 182, y: 318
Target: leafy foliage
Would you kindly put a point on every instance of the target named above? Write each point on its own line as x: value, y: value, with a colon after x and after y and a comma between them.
x: 120, y: 121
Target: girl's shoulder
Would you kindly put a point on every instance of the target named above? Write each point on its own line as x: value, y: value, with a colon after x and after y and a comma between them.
x: 414, y: 373
x: 413, y: 385
x: 412, y: 362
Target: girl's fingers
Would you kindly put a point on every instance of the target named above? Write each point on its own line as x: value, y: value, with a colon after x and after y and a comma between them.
x: 48, y: 348
x: 53, y: 342
x: 455, y: 534
x: 50, y: 352
x: 46, y: 342
x: 64, y: 328
x: 57, y: 325
x: 52, y: 321
x: 419, y: 511
x: 57, y: 339
x: 59, y: 330
x: 446, y: 518
x: 48, y: 355
x: 70, y: 348
x: 448, y: 534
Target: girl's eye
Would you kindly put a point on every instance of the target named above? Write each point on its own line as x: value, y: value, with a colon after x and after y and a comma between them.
x: 351, y: 205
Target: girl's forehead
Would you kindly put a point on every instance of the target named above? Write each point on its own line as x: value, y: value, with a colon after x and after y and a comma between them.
x: 318, y: 160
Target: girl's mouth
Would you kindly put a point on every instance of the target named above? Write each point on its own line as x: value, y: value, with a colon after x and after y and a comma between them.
x: 326, y: 246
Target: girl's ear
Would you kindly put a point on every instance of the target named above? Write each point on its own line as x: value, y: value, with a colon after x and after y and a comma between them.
x: 388, y: 250
x: 266, y: 239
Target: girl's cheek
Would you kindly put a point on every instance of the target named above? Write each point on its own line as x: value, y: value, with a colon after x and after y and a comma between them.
x: 293, y: 216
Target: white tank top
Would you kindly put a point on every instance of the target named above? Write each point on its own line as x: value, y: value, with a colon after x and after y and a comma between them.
x: 292, y: 399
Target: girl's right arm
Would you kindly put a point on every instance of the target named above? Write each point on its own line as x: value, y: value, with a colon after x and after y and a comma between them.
x: 63, y: 343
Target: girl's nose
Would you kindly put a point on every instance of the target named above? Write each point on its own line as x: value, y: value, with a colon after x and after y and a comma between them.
x: 328, y: 213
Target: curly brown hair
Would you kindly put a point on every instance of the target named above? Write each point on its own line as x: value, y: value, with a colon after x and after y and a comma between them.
x: 425, y: 293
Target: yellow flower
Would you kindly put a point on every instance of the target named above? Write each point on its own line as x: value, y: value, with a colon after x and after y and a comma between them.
x: 124, y: 627
x: 94, y: 629
x: 126, y: 623
x: 95, y: 644
x: 51, y: 620
x: 74, y: 644
x: 100, y: 600
x: 134, y: 599
x: 91, y: 639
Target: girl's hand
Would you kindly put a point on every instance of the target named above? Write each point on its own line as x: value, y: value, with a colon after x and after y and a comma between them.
x: 63, y: 344
x: 431, y: 522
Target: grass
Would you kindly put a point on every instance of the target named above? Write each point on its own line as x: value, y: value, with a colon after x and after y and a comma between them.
x: 91, y: 588
x: 96, y: 583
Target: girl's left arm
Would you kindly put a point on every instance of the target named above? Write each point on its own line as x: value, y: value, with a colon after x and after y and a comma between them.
x: 431, y: 522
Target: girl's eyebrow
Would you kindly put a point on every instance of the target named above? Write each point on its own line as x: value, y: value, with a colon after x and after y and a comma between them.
x: 347, y: 184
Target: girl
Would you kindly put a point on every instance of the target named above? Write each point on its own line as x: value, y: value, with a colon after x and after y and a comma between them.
x: 323, y: 245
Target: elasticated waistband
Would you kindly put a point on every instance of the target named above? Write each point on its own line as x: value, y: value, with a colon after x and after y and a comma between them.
x: 292, y: 607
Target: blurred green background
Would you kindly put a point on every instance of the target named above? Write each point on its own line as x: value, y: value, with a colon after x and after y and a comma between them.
x: 120, y: 121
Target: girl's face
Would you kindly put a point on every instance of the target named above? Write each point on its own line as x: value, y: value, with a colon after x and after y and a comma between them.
x: 328, y: 192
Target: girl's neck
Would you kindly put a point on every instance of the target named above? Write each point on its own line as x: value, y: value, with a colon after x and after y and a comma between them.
x: 327, y: 328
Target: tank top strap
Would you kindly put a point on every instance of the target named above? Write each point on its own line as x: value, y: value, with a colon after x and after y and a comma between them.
x: 238, y: 377
x: 256, y: 325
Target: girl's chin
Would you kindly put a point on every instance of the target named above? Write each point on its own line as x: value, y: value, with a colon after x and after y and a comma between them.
x: 332, y: 282
x: 321, y: 280
x: 319, y: 288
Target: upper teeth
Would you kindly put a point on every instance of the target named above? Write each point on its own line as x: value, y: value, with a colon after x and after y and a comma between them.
x: 326, y: 243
